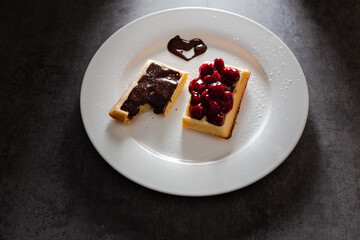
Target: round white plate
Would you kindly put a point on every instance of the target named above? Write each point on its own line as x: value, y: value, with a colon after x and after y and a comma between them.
x: 155, y: 151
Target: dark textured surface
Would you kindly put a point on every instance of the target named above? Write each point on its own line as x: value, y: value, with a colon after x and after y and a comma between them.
x: 54, y: 185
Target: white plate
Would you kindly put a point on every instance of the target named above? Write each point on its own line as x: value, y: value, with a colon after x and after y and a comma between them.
x: 157, y: 152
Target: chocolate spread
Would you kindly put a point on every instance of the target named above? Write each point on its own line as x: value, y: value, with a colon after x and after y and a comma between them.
x: 178, y: 45
x: 155, y: 88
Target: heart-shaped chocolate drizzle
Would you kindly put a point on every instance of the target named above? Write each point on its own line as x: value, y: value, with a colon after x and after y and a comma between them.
x: 177, y: 46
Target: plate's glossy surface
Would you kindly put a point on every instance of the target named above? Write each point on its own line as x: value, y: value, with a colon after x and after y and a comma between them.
x: 157, y: 152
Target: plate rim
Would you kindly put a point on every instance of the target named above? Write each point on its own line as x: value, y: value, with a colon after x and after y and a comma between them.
x: 210, y: 193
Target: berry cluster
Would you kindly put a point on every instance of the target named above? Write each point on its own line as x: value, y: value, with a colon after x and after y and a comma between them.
x: 211, y: 92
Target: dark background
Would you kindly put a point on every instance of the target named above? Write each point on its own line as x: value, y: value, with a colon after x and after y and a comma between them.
x: 54, y: 185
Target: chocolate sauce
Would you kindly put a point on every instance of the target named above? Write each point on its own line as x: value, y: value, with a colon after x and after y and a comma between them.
x: 178, y: 45
x: 155, y: 88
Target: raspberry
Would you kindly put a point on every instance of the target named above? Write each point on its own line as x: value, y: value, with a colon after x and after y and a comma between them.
x: 216, y: 75
x: 219, y: 64
x: 217, y: 120
x: 199, y: 86
x: 197, y: 111
x: 195, y: 98
x: 208, y: 79
x: 205, y: 97
x: 228, y: 96
x: 191, y: 85
x: 206, y: 69
x: 216, y: 89
x: 227, y: 102
x: 231, y: 75
x: 214, y: 108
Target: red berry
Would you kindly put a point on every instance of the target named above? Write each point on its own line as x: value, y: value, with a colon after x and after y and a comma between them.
x: 213, y: 78
x: 231, y: 75
x: 216, y: 89
x: 199, y: 86
x: 191, y: 85
x: 214, y: 108
x: 206, y: 69
x: 223, y: 80
x: 195, y: 98
x: 205, y: 97
x: 227, y: 106
x: 217, y: 120
x: 227, y: 102
x: 216, y: 75
x: 219, y: 64
x: 197, y: 111
x: 228, y: 96
x: 208, y: 79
